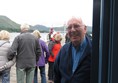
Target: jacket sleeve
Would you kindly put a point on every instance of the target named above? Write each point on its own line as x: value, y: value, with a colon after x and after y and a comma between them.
x: 45, y: 47
x: 38, y: 50
x: 57, y: 75
x: 50, y: 47
x: 8, y: 64
x: 13, y: 50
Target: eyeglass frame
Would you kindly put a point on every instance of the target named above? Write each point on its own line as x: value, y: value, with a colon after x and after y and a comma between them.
x: 75, y: 26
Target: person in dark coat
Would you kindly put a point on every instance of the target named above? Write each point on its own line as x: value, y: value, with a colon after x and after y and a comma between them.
x: 73, y: 63
x: 67, y: 39
x: 27, y: 50
x: 50, y: 33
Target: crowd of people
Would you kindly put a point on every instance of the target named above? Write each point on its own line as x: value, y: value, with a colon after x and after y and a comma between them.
x: 70, y: 63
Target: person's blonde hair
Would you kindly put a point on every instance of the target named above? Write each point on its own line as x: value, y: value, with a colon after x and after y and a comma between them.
x: 25, y: 27
x: 36, y: 33
x: 4, y: 35
x: 58, y: 37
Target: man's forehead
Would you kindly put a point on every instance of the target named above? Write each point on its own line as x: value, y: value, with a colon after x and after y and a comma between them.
x: 75, y: 21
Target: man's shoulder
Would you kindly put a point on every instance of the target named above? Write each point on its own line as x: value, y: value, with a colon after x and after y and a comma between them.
x: 67, y: 44
x: 89, y: 41
x: 65, y: 47
x: 26, y: 35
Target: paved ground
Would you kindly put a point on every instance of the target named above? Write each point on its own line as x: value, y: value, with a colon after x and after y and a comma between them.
x: 13, y: 74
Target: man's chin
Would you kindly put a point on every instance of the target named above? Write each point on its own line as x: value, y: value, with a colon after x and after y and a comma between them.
x: 76, y: 41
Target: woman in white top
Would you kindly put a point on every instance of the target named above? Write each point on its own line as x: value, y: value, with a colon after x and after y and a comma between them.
x: 5, y: 64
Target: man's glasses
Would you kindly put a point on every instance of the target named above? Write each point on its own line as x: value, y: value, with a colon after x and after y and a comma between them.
x: 75, y: 26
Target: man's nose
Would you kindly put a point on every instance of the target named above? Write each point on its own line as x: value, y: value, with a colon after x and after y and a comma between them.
x: 73, y: 29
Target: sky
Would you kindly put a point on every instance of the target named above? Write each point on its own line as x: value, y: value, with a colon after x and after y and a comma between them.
x: 47, y: 12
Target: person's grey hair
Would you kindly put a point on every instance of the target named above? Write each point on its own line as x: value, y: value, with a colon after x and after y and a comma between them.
x: 24, y: 27
x: 4, y: 35
x: 78, y: 19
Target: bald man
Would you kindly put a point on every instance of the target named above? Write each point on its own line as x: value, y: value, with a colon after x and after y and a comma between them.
x: 73, y: 62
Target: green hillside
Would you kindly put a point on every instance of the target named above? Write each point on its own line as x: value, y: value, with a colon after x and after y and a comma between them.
x: 11, y: 26
x: 7, y: 24
x: 41, y: 28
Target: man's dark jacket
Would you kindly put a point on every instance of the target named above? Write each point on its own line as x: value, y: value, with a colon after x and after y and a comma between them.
x: 64, y: 63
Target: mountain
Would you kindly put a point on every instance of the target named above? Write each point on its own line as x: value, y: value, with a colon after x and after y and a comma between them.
x: 8, y: 24
x: 11, y: 26
x: 63, y: 28
x: 41, y: 28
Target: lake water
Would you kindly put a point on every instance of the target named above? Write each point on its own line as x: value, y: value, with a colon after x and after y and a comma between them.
x: 43, y: 37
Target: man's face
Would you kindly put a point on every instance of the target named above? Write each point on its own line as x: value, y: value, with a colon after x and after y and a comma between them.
x: 76, y: 30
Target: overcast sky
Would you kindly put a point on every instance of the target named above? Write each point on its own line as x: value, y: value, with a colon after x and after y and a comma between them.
x: 46, y: 12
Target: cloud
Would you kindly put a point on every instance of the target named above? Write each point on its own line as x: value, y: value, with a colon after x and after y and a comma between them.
x: 46, y: 12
